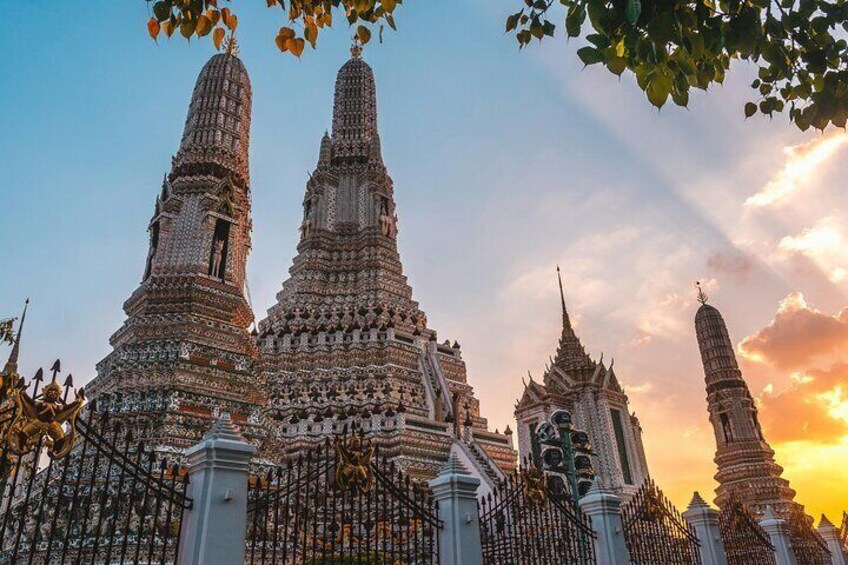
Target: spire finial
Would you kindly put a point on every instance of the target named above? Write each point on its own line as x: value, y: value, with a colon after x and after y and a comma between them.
x: 561, y: 294
x: 12, y: 363
x: 356, y: 49
x: 702, y: 296
x: 231, y: 45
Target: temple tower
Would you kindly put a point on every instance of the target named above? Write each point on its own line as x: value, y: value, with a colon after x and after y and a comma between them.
x: 590, y: 391
x: 746, y: 464
x: 346, y: 344
x: 184, y: 353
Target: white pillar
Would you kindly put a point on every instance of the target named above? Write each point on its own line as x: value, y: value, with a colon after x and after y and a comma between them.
x: 213, y: 530
x: 455, y: 490
x: 705, y: 521
x: 830, y: 534
x: 604, y: 509
x: 778, y: 533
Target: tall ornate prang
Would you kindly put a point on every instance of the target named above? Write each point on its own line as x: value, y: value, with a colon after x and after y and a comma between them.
x: 746, y: 465
x: 184, y: 354
x: 590, y: 391
x: 346, y: 343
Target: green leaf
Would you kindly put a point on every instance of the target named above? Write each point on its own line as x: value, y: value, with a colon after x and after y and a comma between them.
x: 590, y: 55
x: 598, y: 40
x: 632, y: 9
x: 161, y: 10
x: 658, y: 89
x: 681, y: 98
x: 617, y: 65
x: 512, y: 22
x: 574, y: 20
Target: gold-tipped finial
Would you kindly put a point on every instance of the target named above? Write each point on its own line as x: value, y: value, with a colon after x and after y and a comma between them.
x: 231, y: 46
x: 356, y: 48
x: 702, y: 296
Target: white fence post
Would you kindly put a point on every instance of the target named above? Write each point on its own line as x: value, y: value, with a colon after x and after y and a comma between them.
x: 778, y: 533
x: 830, y: 535
x: 455, y: 490
x: 213, y: 530
x: 604, y: 509
x: 704, y: 519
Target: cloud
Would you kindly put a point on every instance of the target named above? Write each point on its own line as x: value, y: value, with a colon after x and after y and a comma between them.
x: 803, y: 162
x: 825, y: 244
x: 813, y: 408
x: 731, y: 263
x: 796, y: 336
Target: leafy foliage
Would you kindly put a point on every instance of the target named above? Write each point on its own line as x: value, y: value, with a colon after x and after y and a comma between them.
x: 674, y: 45
x: 671, y: 46
x: 7, y: 332
x: 304, y: 19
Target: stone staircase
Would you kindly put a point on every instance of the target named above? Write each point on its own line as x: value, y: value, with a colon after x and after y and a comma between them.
x: 482, y: 461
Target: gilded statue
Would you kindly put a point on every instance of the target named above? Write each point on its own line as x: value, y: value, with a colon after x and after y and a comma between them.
x: 44, y: 417
x: 652, y: 510
x: 7, y: 334
x: 534, y: 487
x: 352, y: 459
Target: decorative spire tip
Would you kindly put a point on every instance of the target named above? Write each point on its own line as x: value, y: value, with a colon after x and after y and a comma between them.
x: 231, y: 46
x: 702, y: 296
x: 356, y: 49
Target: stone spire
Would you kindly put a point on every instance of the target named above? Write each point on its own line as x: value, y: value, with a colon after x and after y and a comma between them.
x: 745, y: 461
x: 345, y: 338
x: 355, y: 109
x: 12, y: 362
x: 217, y: 129
x: 570, y: 354
x: 717, y: 353
x: 185, y: 351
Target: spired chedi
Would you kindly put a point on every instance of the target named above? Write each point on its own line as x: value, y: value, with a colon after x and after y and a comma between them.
x: 746, y: 466
x: 344, y: 347
x: 591, y: 393
x: 345, y: 341
x: 184, y: 353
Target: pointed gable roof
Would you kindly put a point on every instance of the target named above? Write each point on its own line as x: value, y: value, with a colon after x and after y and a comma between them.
x: 533, y: 394
x: 571, y: 355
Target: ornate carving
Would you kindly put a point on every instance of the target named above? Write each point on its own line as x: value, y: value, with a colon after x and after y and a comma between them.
x: 534, y: 486
x: 7, y: 333
x: 353, y: 456
x: 43, y: 419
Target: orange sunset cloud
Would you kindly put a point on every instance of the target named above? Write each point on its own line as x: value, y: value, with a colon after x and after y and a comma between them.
x: 804, y: 408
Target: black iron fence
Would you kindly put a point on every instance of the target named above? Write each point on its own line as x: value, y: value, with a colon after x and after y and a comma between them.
x: 78, y: 487
x: 523, y: 523
x: 745, y: 542
x: 843, y: 533
x: 656, y: 532
x: 807, y: 544
x: 341, y: 504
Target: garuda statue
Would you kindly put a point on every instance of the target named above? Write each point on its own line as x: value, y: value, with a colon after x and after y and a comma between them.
x: 43, y: 418
x: 534, y: 487
x: 352, y: 459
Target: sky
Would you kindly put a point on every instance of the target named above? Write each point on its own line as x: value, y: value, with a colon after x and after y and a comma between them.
x: 506, y: 164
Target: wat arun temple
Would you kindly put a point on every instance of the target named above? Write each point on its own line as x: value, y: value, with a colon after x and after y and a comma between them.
x: 345, y: 346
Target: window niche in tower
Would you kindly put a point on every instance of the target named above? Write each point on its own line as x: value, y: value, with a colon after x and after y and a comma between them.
x: 220, y: 248
x: 535, y: 446
x: 726, y: 428
x: 151, y: 253
x: 757, y: 426
x: 618, y: 430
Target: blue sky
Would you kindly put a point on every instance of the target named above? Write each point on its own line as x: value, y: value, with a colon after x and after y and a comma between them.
x: 505, y: 164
